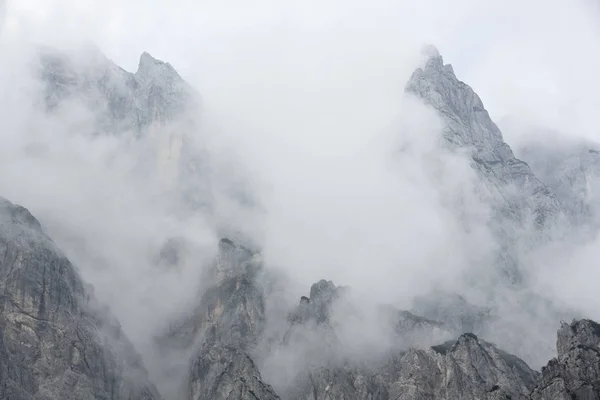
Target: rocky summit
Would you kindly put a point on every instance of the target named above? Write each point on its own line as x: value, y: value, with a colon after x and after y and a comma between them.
x: 238, y: 340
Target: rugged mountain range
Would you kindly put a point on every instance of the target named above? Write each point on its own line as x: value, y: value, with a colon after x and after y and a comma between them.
x: 238, y: 341
x: 57, y: 342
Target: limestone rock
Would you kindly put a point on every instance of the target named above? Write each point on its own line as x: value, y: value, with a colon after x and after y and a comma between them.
x: 56, y: 341
x: 575, y: 373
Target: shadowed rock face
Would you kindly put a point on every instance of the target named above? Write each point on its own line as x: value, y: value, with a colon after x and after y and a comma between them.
x: 56, y: 342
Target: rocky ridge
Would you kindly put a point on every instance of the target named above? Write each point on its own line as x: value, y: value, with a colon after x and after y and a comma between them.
x: 524, y: 208
x: 58, y: 343
x: 50, y: 318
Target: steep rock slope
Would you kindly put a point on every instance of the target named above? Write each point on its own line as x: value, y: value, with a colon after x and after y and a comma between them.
x: 223, y: 330
x: 525, y: 215
x: 222, y: 368
x: 469, y: 126
x: 575, y: 374
x: 56, y: 342
x: 519, y: 200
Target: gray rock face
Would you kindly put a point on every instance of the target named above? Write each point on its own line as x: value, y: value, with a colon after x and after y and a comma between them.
x: 224, y: 329
x: 575, y: 374
x: 56, y: 342
x: 520, y: 201
x: 224, y: 372
x: 525, y: 215
x: 317, y: 307
x: 467, y: 368
x: 469, y: 126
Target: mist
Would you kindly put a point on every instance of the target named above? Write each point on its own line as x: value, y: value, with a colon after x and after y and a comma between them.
x: 303, y: 113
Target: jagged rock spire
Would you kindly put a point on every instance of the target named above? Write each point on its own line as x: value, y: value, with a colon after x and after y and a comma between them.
x: 517, y: 197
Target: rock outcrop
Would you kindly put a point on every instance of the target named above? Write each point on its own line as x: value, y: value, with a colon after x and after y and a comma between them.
x: 575, y: 373
x: 468, y: 368
x: 467, y: 125
x: 223, y: 330
x: 56, y: 341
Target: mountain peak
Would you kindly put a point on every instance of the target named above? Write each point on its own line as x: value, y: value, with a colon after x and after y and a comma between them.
x: 151, y: 67
x: 432, y: 57
x: 430, y: 50
x: 468, y: 124
x: 433, y: 62
x: 469, y: 127
x: 147, y: 59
